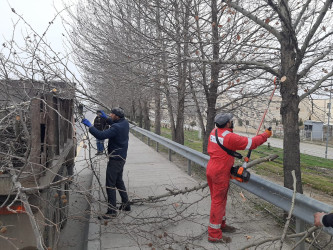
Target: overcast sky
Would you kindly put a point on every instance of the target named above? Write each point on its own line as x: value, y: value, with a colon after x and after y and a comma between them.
x: 38, y: 14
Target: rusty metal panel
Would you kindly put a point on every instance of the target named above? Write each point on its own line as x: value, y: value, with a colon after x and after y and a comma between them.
x: 50, y: 128
x: 35, y: 137
x: 62, y: 123
x: 57, y: 124
x: 70, y: 108
x: 6, y: 184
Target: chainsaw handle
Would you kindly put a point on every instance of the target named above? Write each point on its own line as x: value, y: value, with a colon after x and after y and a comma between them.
x: 247, y: 158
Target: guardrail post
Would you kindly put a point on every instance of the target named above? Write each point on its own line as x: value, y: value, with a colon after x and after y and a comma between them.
x: 148, y: 141
x: 300, y: 227
x: 169, y: 152
x: 156, y: 146
x: 141, y: 137
x: 189, y: 167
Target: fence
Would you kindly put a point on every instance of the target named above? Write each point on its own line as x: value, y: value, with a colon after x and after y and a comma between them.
x: 277, y: 195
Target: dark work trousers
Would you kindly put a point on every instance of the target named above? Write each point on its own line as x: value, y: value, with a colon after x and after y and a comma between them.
x: 114, y: 179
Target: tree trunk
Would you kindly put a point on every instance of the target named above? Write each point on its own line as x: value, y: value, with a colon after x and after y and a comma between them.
x: 167, y: 92
x: 157, y: 92
x: 146, y: 120
x: 157, y: 123
x: 140, y: 116
x: 182, y: 72
x: 289, y: 112
x: 211, y: 98
x: 195, y: 99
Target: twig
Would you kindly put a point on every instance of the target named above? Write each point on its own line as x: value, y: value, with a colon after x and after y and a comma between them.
x: 10, y: 242
x: 92, y: 165
x: 302, y: 239
x: 170, y: 193
x: 290, y: 211
x: 255, y: 244
x: 260, y: 160
x: 196, y: 188
x: 34, y: 224
x: 34, y: 189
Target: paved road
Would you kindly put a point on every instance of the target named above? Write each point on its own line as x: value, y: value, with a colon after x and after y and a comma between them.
x: 305, y: 148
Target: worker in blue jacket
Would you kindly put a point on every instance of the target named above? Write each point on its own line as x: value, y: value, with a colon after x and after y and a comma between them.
x: 117, y: 152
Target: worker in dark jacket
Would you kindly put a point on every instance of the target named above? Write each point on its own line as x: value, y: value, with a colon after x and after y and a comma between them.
x: 100, y: 124
x: 117, y: 151
x: 323, y: 219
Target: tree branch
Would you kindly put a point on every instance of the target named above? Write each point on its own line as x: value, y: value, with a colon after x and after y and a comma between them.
x: 256, y: 65
x: 298, y: 19
x: 290, y: 211
x: 317, y: 85
x: 35, y: 189
x: 196, y: 188
x: 316, y: 59
x: 255, y: 244
x: 255, y: 19
x: 315, y: 27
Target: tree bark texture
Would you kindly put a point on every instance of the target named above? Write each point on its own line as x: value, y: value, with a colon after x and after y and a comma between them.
x: 215, y: 68
x: 146, y: 115
x: 157, y: 88
x: 182, y: 68
x: 289, y: 112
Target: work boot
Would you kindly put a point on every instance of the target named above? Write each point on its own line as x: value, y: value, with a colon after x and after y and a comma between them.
x: 107, y: 216
x: 124, y: 207
x: 228, y: 229
x: 224, y: 239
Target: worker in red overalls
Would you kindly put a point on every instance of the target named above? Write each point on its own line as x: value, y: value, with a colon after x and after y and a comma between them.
x: 218, y: 171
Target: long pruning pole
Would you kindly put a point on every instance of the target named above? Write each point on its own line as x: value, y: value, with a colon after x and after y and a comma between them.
x: 247, y: 158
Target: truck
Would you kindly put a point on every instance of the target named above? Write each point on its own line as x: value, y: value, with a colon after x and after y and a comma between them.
x: 37, y: 153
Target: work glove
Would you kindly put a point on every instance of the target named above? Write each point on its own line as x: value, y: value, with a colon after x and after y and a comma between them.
x: 86, y: 122
x: 103, y: 115
x: 268, y: 132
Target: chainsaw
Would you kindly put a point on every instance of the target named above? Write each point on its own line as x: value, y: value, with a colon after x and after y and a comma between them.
x: 239, y: 173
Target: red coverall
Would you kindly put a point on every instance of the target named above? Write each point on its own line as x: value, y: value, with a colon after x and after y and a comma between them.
x: 218, y: 173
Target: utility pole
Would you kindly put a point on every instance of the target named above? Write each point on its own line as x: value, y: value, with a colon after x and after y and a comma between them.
x: 328, y: 120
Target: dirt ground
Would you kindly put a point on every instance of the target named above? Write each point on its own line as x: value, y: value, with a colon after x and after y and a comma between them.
x: 271, y: 213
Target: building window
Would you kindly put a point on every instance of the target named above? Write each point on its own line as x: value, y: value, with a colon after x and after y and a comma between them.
x: 240, y: 122
x: 308, y: 127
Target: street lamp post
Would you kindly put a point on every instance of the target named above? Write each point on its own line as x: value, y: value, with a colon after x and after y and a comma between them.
x: 328, y: 120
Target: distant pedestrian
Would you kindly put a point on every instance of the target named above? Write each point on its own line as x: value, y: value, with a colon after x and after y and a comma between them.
x: 100, y: 124
x: 118, y: 135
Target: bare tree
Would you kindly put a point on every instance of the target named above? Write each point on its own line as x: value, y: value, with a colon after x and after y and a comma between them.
x: 294, y: 42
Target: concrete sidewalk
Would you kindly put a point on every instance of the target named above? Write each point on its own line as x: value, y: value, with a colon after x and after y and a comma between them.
x: 176, y: 222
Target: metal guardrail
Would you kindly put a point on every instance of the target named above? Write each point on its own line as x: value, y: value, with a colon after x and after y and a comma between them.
x: 277, y: 195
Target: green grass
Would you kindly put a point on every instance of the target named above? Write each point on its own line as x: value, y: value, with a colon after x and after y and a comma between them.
x: 315, y: 170
x: 191, y: 138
